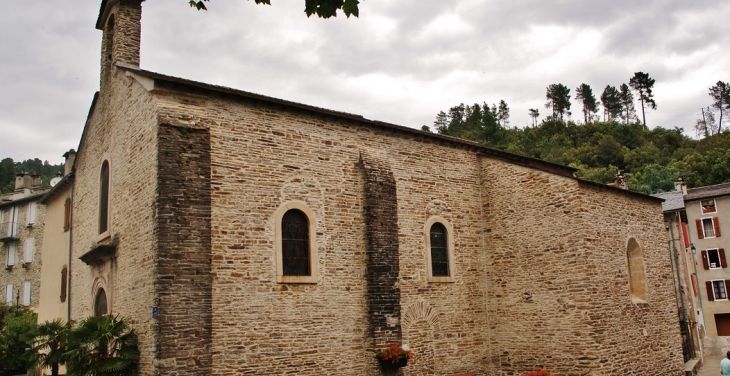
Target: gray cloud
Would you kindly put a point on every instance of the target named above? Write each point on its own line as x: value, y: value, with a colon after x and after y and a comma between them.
x: 402, y: 61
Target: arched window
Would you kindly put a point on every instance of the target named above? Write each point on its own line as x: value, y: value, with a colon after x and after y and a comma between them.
x: 295, y: 243
x: 637, y: 274
x: 100, y: 304
x: 104, y: 198
x: 439, y: 251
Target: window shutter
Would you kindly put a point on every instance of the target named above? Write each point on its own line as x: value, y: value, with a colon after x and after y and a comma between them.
x: 694, y: 284
x: 29, y: 250
x: 11, y: 253
x: 9, y: 294
x: 64, y: 278
x: 705, y: 261
x: 30, y: 217
x: 700, y: 231
x: 710, y: 293
x: 66, y: 214
x: 13, y: 221
x: 721, y: 252
x: 685, y: 235
x: 26, y: 293
x: 716, y: 221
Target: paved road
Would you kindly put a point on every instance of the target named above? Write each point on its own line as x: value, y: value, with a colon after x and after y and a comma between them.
x: 711, y: 366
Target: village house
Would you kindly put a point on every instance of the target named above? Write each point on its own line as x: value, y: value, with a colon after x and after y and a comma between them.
x: 684, y: 262
x: 708, y: 213
x: 54, y: 302
x: 21, y: 236
x: 244, y: 234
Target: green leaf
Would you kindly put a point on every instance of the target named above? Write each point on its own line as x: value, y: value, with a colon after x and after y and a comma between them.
x: 310, y: 7
x: 198, y: 4
x: 350, y: 8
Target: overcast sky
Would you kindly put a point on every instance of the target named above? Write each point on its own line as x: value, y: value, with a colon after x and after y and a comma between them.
x: 401, y: 62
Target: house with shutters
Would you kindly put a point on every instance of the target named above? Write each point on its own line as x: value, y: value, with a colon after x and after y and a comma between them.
x: 684, y: 262
x: 708, y: 213
x: 21, y: 237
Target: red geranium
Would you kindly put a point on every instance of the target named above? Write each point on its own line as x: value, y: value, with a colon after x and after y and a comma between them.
x: 394, y: 354
x: 540, y: 372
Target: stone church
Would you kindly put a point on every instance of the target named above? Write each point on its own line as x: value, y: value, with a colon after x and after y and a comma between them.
x: 248, y: 235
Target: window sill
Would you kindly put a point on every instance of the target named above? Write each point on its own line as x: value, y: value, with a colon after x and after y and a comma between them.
x: 311, y: 279
x: 103, y: 236
x: 441, y: 279
x: 639, y: 301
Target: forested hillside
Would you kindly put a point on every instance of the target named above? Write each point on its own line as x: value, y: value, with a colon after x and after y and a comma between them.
x: 651, y: 159
x: 9, y: 168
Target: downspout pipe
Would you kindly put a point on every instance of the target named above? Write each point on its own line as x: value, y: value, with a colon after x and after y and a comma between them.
x: 70, y: 248
x: 675, y: 253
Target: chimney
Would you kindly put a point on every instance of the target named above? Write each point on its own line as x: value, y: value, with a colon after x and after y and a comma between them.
x: 680, y: 186
x: 36, y: 180
x: 23, y: 180
x: 70, y: 158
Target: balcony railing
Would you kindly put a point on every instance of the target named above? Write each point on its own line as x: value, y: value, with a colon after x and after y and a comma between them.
x: 8, y: 231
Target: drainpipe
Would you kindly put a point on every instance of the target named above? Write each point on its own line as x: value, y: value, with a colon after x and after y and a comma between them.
x: 697, y: 279
x: 70, y: 241
x: 679, y: 285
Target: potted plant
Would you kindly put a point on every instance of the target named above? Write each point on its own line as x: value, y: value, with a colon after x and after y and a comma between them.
x: 393, y: 357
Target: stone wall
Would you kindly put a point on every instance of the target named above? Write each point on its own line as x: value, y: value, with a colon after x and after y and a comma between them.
x: 381, y: 231
x: 183, y: 274
x: 560, y: 297
x: 122, y: 128
x: 541, y: 276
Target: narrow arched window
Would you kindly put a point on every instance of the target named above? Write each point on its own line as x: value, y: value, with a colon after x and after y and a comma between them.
x: 295, y: 243
x: 637, y: 274
x: 439, y: 250
x: 104, y: 198
x: 100, y: 304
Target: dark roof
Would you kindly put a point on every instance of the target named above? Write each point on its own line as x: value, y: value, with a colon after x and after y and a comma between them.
x: 619, y: 190
x: 672, y: 200
x: 709, y: 191
x: 21, y: 200
x: 101, y: 17
x: 64, y: 183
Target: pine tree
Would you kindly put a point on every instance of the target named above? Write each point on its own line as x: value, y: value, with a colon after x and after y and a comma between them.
x: 611, y: 100
x: 558, y: 96
x: 720, y: 93
x: 534, y: 114
x: 584, y: 94
x: 642, y: 84
x: 627, y: 103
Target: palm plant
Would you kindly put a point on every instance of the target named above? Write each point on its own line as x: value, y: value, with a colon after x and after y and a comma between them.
x: 102, y: 346
x: 49, y: 345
